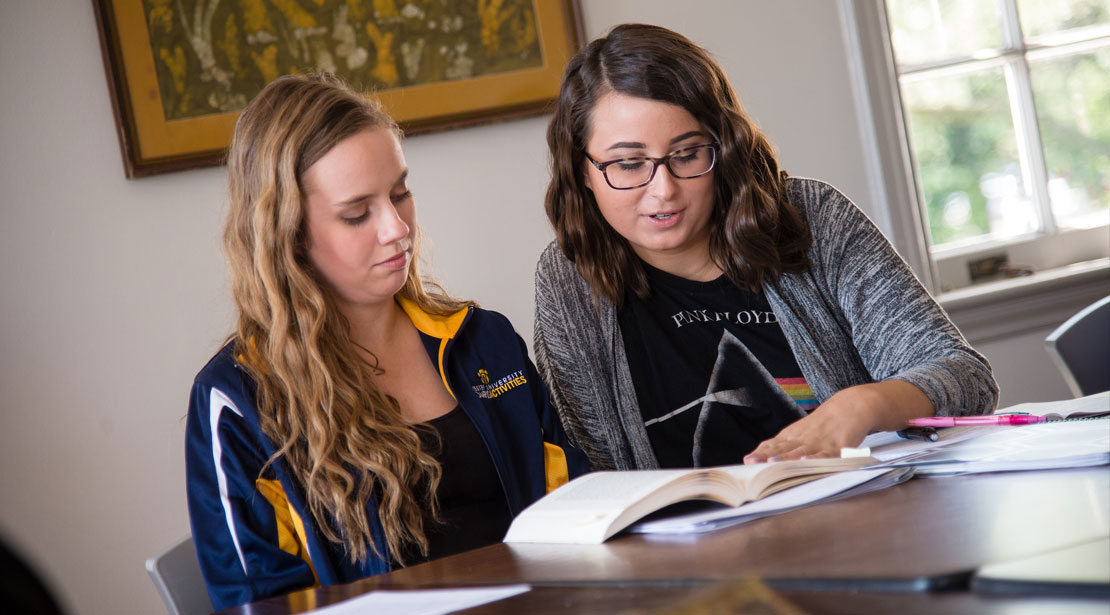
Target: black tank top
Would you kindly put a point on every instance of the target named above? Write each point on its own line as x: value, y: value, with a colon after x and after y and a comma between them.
x: 472, y: 506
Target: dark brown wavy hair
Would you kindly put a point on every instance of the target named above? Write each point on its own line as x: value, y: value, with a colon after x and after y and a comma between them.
x: 340, y: 434
x: 755, y: 233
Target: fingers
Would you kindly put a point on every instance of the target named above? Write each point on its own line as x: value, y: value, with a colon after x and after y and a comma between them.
x: 776, y: 449
x: 782, y: 449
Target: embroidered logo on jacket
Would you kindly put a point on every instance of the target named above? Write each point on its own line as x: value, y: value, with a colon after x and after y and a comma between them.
x: 492, y: 390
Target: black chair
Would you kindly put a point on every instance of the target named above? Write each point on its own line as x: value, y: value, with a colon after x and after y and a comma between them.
x: 1081, y: 349
x: 22, y: 590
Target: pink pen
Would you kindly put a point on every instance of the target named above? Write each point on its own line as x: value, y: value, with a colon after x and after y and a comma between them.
x: 990, y: 419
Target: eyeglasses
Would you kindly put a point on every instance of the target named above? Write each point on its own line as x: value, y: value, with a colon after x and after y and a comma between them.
x: 686, y: 163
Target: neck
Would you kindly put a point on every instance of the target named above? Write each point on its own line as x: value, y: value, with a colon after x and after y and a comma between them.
x: 692, y: 264
x: 375, y: 327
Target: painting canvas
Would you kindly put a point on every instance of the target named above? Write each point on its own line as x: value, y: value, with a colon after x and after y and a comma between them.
x: 181, y: 70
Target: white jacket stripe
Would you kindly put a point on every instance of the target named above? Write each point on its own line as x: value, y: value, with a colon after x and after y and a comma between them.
x: 217, y: 402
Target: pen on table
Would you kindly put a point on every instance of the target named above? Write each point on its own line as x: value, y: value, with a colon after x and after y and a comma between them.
x: 927, y: 434
x: 990, y: 419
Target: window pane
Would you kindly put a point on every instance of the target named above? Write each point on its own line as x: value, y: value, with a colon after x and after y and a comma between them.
x: 1073, y: 108
x: 930, y: 30
x: 1040, y: 17
x: 963, y: 139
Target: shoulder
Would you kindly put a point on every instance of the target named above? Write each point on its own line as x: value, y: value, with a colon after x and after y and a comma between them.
x: 223, y: 383
x: 489, y: 331
x: 552, y: 259
x: 831, y: 216
x: 558, y: 280
x: 489, y: 320
x: 815, y: 198
x: 223, y: 369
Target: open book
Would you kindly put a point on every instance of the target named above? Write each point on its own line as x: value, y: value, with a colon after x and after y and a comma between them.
x: 591, y: 508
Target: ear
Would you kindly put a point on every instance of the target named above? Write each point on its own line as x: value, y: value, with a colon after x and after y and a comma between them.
x: 586, y: 175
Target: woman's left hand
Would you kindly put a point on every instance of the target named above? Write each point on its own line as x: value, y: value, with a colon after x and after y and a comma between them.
x: 844, y: 420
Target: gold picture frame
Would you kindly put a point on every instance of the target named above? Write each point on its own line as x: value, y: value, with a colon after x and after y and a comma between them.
x: 431, y: 63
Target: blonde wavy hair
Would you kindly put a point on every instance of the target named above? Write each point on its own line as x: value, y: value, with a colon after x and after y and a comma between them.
x: 341, y: 436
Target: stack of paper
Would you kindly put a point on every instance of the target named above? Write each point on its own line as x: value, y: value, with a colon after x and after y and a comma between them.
x: 1054, y: 444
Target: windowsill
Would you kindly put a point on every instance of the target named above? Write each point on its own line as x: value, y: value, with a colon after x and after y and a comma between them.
x: 1051, y: 254
x: 1017, y: 305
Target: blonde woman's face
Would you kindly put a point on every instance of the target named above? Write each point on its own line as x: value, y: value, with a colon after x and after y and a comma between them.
x: 360, y: 218
x: 666, y: 221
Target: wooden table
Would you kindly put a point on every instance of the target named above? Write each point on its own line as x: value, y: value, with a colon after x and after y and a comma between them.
x: 908, y: 549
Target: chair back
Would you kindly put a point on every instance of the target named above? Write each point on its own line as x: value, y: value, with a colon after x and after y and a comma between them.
x: 176, y: 574
x: 1081, y: 349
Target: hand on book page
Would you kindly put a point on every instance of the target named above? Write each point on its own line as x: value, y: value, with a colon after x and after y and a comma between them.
x: 591, y: 508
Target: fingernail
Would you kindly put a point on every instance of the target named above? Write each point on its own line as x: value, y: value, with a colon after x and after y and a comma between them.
x: 775, y: 458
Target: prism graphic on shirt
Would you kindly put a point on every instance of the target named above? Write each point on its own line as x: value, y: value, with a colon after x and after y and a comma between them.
x: 740, y: 392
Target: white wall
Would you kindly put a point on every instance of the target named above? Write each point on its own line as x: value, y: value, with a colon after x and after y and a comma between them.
x: 1023, y: 368
x: 114, y: 291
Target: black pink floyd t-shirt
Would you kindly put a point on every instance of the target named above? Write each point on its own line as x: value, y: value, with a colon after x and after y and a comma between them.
x: 713, y: 372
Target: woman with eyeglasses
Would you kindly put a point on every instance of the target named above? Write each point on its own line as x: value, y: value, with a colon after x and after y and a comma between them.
x: 359, y: 419
x: 701, y: 307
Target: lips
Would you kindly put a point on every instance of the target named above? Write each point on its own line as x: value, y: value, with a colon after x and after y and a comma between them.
x: 663, y: 218
x: 396, y: 261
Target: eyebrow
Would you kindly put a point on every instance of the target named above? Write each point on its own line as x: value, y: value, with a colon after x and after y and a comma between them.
x: 638, y: 145
x: 362, y: 197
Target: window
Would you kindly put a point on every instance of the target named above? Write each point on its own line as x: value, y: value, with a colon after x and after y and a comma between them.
x: 1006, y: 110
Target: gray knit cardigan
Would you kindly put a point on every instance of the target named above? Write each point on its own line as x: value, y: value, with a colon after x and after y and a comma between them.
x: 858, y: 315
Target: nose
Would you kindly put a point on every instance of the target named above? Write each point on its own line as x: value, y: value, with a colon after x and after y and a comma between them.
x: 663, y: 185
x: 391, y: 227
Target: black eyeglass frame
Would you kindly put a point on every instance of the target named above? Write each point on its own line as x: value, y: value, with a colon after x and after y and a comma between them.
x: 714, y: 149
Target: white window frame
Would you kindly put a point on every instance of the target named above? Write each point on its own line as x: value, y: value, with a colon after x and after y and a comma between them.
x: 1071, y: 268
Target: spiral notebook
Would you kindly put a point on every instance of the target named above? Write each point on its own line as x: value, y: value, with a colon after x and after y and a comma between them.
x: 1080, y: 437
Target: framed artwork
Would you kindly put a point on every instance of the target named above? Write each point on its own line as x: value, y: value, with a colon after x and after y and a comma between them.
x: 179, y: 71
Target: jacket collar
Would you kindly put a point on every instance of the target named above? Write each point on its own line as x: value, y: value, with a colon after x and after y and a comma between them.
x: 434, y: 325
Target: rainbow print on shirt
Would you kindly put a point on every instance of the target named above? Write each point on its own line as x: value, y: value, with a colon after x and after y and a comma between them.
x: 798, y: 390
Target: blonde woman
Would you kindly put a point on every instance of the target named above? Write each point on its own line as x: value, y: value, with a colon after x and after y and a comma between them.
x: 358, y: 419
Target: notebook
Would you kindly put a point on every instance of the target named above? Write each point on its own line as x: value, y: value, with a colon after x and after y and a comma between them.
x: 1076, y: 570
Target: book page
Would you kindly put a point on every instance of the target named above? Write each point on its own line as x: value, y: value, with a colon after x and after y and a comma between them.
x: 761, y: 479
x: 812, y: 492
x: 1098, y: 402
x: 887, y: 446
x: 604, y: 490
x: 421, y: 601
x: 584, y: 510
x: 1024, y: 447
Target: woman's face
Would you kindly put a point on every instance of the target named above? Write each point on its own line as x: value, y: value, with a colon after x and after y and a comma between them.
x: 360, y: 217
x: 666, y: 221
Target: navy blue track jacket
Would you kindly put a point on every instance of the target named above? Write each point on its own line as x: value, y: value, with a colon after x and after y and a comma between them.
x: 253, y: 534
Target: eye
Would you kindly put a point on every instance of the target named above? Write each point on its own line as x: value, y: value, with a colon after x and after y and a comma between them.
x: 356, y: 220
x: 689, y: 154
x: 630, y: 164
x: 403, y: 196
